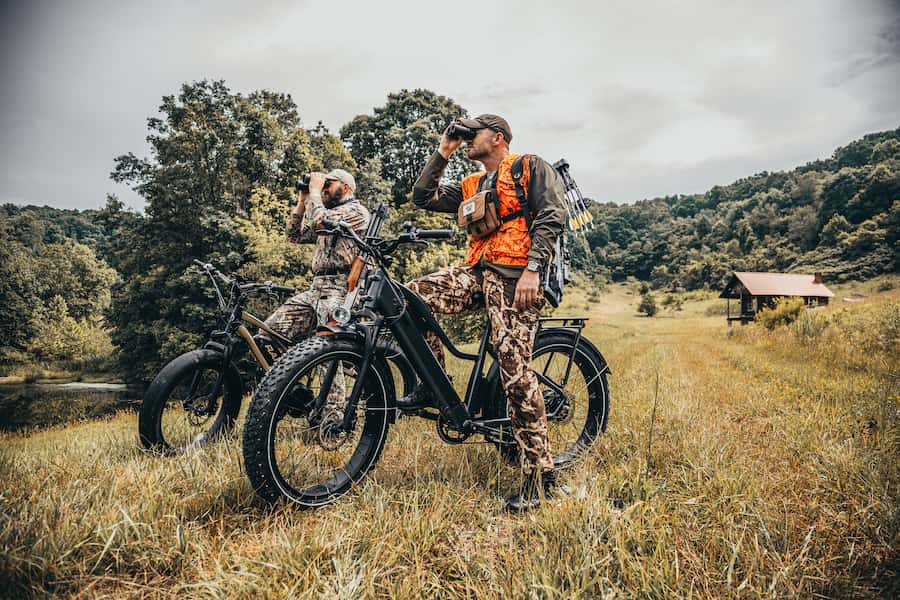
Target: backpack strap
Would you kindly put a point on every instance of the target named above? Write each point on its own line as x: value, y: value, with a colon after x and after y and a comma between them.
x: 518, y: 171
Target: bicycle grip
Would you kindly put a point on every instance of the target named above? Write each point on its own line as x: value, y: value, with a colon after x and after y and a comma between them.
x: 434, y: 234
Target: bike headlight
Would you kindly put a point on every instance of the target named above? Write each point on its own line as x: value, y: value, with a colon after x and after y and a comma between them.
x: 341, y: 315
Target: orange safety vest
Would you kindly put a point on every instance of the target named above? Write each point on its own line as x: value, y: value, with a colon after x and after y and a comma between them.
x: 508, y: 245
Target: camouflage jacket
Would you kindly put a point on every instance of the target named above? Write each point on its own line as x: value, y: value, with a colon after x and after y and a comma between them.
x: 334, y: 254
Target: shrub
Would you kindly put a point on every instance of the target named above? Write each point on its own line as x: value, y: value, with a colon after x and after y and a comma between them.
x: 786, y: 311
x: 810, y: 325
x: 673, y: 303
x: 717, y: 309
x: 648, y: 305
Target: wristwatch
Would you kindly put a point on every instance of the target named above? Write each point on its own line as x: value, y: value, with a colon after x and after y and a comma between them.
x: 533, y: 265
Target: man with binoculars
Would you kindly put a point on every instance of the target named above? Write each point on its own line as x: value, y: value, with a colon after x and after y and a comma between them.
x: 514, y: 212
x: 322, y: 197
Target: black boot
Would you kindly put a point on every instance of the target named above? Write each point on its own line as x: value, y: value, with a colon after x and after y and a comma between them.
x: 417, y: 399
x: 535, y: 486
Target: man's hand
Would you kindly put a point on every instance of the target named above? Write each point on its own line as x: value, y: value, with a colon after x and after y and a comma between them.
x: 316, y: 183
x: 301, y: 202
x: 448, y: 146
x: 527, y: 290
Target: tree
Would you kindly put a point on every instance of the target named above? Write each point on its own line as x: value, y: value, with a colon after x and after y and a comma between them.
x: 834, y: 228
x: 402, y: 135
x: 38, y: 262
x: 803, y: 227
x: 60, y: 337
x: 212, y: 151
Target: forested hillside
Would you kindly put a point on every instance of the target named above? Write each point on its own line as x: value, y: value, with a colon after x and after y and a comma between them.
x: 53, y: 287
x: 839, y: 216
x: 219, y: 183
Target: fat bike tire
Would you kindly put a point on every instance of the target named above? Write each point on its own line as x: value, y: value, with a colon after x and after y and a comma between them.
x: 166, y: 426
x: 284, y: 453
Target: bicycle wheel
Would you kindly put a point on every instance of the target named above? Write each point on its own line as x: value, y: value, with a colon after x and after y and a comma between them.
x: 576, y: 396
x: 289, y: 450
x: 178, y: 412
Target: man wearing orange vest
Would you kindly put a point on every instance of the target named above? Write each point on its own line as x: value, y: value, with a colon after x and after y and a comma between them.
x: 502, y: 274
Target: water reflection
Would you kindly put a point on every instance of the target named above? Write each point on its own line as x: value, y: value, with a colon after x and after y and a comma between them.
x: 24, y: 406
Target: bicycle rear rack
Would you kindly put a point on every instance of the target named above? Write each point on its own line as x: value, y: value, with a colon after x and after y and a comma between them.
x: 565, y: 322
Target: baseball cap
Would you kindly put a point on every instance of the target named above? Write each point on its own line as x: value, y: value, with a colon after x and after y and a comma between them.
x: 344, y: 177
x: 495, y: 122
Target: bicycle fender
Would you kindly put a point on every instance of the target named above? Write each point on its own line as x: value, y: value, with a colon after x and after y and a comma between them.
x: 570, y: 333
x: 339, y: 332
x: 215, y: 347
x: 493, y: 374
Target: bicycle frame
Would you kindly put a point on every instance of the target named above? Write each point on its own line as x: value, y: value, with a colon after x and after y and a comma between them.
x: 235, y: 328
x: 281, y: 341
x: 405, y: 314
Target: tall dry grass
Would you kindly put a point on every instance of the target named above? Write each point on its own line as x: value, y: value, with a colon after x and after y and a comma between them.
x: 772, y: 472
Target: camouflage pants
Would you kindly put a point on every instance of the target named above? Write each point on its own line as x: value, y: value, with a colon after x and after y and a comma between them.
x: 301, y: 314
x: 454, y: 290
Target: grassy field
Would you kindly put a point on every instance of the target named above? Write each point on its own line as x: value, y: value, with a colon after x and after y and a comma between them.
x: 772, y: 471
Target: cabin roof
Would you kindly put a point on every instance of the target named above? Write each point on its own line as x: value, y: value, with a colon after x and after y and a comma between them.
x: 776, y: 284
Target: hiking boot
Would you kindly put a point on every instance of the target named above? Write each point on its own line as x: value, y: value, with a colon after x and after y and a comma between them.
x: 417, y: 399
x: 534, y: 488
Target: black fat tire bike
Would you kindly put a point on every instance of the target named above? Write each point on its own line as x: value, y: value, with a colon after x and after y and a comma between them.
x: 196, y: 397
x: 286, y: 458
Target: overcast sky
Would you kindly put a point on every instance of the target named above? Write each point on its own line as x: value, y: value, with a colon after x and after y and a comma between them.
x: 643, y: 98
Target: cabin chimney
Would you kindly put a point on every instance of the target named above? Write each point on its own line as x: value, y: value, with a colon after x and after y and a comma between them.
x: 817, y: 278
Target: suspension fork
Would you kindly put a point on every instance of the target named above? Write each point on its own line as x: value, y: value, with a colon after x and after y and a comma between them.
x: 210, y: 408
x: 325, y: 386
x: 349, y: 421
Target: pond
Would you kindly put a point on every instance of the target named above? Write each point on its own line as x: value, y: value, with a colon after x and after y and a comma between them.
x: 30, y: 405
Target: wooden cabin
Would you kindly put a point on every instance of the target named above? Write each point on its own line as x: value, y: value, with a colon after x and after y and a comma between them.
x: 755, y: 291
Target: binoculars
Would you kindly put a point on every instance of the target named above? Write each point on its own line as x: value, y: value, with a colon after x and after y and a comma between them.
x: 303, y: 184
x: 457, y: 131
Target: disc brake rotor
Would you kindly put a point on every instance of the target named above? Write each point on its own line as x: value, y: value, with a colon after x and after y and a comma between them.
x: 196, y: 410
x: 558, y: 405
x: 330, y: 439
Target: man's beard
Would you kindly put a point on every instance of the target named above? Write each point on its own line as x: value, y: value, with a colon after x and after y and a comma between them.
x: 334, y: 198
x: 473, y: 153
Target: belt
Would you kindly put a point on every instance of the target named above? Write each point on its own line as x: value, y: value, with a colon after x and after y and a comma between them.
x: 334, y: 271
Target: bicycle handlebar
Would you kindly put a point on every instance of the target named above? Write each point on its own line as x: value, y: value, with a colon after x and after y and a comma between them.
x: 434, y: 234
x: 264, y: 286
x: 410, y: 234
x: 282, y: 289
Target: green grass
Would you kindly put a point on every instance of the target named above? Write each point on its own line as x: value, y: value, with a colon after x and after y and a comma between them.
x: 772, y: 472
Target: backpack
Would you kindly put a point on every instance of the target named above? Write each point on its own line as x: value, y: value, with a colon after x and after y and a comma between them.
x: 556, y: 274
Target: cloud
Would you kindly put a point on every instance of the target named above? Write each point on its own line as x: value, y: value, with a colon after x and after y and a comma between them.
x: 882, y: 51
x: 643, y: 99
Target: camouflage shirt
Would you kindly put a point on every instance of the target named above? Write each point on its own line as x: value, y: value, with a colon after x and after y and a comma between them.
x: 334, y: 254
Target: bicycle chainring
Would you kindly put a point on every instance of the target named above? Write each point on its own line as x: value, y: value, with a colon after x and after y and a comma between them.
x: 448, y: 432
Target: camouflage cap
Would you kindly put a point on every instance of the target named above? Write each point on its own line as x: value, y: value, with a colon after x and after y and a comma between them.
x: 488, y: 121
x: 344, y: 177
